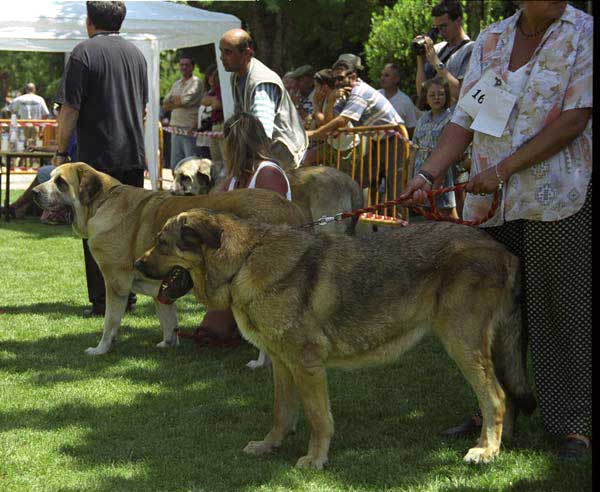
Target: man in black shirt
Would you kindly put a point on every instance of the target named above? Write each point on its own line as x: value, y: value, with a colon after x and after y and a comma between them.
x: 103, y: 93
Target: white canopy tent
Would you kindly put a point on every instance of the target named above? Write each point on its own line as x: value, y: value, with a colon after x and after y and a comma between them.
x: 153, y: 26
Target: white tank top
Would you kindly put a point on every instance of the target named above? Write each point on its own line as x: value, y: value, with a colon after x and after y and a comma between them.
x: 516, y: 79
x: 252, y: 183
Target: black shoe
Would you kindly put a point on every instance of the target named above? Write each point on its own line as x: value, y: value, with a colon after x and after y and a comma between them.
x: 470, y: 427
x: 94, y: 311
x: 573, y: 449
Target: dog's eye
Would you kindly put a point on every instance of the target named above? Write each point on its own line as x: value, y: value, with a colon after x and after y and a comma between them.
x: 61, y: 184
x: 185, y: 178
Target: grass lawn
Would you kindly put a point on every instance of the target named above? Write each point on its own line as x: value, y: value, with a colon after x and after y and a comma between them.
x: 144, y: 419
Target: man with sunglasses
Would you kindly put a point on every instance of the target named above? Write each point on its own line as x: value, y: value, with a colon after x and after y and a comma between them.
x: 361, y: 105
x: 450, y: 58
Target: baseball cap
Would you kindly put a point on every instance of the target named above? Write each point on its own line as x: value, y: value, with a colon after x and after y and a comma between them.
x: 300, y: 71
x: 353, y: 61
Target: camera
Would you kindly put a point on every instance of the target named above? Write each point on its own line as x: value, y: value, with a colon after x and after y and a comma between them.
x: 418, y: 45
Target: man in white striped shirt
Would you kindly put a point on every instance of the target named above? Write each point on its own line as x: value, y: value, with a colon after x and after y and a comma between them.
x: 259, y: 91
x: 362, y: 105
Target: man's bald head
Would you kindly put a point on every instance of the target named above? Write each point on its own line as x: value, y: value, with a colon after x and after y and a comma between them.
x: 236, y: 50
x: 30, y: 88
x: 239, y: 39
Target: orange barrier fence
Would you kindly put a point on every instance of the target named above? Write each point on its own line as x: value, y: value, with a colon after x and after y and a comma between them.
x: 376, y: 157
x: 38, y: 133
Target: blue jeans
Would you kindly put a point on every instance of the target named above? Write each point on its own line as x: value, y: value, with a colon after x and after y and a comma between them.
x: 182, y: 146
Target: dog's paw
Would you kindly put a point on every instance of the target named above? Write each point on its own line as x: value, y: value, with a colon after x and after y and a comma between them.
x: 169, y: 344
x: 254, y: 364
x: 259, y: 448
x: 99, y: 350
x: 263, y: 361
x: 481, y: 455
x: 309, y: 461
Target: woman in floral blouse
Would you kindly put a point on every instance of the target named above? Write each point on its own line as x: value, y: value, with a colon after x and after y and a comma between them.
x: 542, y: 162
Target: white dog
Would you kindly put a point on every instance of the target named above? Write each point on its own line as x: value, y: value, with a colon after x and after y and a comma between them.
x: 196, y: 176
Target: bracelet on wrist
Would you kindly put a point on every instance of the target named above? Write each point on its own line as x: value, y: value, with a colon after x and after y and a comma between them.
x: 498, y: 177
x: 429, y: 179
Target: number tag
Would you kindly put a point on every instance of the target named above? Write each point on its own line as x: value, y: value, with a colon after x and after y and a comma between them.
x: 494, y: 113
x: 489, y: 103
x: 472, y: 101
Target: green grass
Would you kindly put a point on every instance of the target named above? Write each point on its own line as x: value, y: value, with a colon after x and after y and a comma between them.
x: 144, y: 419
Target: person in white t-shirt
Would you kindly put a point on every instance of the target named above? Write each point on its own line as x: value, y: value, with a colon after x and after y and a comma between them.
x: 29, y: 106
x: 389, y: 81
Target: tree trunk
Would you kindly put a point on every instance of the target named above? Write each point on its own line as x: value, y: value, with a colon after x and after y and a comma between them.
x: 475, y: 15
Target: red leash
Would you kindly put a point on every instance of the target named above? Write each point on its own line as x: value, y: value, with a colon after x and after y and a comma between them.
x: 432, y: 214
x: 435, y: 215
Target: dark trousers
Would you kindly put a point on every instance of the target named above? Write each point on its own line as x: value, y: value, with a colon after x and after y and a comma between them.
x: 556, y: 267
x: 95, y: 280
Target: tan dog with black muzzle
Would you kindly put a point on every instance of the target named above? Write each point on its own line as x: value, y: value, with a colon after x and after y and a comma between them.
x: 314, y: 302
x: 120, y: 222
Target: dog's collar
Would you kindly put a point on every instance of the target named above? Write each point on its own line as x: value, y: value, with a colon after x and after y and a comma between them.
x: 107, y: 195
x: 254, y: 246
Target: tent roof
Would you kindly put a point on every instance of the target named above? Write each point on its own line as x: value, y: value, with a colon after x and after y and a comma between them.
x: 55, y: 25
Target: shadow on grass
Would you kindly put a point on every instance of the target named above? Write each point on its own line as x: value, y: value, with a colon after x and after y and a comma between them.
x: 30, y: 228
x: 192, y: 411
x: 56, y: 310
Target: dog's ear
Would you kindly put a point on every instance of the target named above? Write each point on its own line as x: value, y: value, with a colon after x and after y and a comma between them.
x: 195, y: 233
x: 90, y: 186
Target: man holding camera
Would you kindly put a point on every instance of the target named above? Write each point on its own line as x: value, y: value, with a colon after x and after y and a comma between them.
x: 450, y: 58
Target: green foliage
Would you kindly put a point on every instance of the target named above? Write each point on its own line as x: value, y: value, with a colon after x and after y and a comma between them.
x: 390, y: 37
x: 18, y: 68
x: 169, y: 71
x: 293, y: 33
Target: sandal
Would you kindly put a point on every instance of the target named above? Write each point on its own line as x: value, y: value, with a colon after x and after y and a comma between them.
x: 204, y: 337
x: 574, y: 449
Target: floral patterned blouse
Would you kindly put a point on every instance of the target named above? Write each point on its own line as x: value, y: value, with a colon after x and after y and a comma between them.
x: 557, y: 78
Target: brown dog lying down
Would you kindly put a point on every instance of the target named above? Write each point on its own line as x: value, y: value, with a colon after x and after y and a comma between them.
x: 310, y: 309
x: 121, y: 222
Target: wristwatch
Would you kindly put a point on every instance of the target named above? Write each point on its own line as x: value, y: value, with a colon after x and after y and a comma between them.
x: 440, y: 66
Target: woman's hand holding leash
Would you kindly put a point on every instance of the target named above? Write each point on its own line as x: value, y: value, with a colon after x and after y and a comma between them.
x: 487, y: 182
x: 417, y: 189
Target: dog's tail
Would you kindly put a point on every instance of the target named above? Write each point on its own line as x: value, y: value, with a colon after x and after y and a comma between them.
x: 509, y: 350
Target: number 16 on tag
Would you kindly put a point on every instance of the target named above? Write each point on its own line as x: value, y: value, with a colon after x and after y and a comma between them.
x: 479, y: 96
x: 471, y: 102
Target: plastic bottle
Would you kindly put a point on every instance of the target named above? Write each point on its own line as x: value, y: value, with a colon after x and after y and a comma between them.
x: 14, y: 133
x: 21, y: 140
